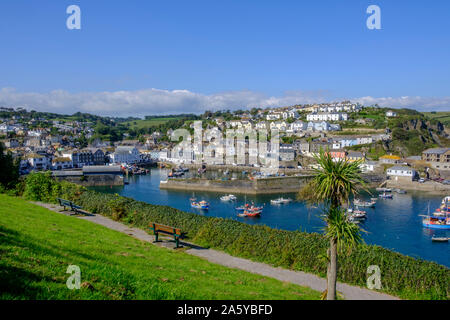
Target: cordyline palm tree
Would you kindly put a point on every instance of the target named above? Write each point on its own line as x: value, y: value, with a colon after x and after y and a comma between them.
x: 333, y: 183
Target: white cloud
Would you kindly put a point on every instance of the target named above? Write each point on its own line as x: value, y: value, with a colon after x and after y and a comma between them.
x: 157, y: 101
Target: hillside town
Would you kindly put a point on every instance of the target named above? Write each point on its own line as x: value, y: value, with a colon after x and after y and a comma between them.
x: 58, y: 145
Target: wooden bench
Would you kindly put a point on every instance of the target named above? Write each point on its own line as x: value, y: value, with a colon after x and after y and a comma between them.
x: 159, y: 228
x: 69, y: 204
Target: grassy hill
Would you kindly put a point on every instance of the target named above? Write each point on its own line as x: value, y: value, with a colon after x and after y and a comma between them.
x: 37, y: 246
x: 147, y: 123
x: 443, y: 117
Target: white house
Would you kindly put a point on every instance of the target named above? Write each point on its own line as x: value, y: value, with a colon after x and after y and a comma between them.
x: 368, y: 166
x: 4, y: 128
x: 391, y: 113
x: 274, y: 116
x: 125, y: 154
x: 35, y: 161
x: 297, y: 126
x: 325, y: 116
x: 278, y: 125
x: 292, y: 113
x: 261, y: 125
x: 61, y: 163
x: 397, y: 172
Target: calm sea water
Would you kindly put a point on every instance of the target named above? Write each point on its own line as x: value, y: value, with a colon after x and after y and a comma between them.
x: 394, y: 223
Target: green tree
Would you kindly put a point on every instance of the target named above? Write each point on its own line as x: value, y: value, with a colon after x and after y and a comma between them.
x: 9, y: 172
x: 333, y: 183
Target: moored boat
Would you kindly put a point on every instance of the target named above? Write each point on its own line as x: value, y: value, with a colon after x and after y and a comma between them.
x: 440, y: 219
x: 229, y: 197
x: 384, y: 195
x: 203, y: 205
x: 440, y: 239
x: 280, y: 201
x: 361, y: 203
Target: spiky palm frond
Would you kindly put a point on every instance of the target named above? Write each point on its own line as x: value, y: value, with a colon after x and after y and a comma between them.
x: 333, y: 181
x: 346, y: 233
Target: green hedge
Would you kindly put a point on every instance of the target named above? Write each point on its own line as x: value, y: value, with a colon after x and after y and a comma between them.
x: 401, y: 275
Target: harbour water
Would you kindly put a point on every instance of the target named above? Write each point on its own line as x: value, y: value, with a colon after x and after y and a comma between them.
x: 394, y: 223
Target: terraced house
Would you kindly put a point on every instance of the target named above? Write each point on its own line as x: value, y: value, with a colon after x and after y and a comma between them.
x: 80, y: 158
x: 438, y: 158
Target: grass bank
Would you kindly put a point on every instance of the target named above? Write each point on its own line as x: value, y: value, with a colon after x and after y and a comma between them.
x: 37, y: 246
x: 403, y: 276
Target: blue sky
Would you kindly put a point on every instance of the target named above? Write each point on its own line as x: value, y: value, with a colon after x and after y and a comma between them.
x: 141, y: 57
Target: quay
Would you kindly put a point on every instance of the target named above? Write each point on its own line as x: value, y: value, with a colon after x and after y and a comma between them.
x: 269, y: 185
x: 92, y: 176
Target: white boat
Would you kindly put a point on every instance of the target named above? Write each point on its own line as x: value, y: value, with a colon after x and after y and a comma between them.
x: 385, y: 196
x: 361, y: 203
x: 280, y: 201
x: 356, y: 214
x: 229, y: 197
x: 383, y: 189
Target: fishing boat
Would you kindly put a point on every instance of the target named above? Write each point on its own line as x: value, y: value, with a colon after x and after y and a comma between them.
x: 253, y: 213
x: 203, y: 205
x: 356, y: 214
x: 439, y: 219
x: 361, y: 203
x: 280, y: 201
x: 440, y: 239
x: 384, y: 195
x: 229, y: 197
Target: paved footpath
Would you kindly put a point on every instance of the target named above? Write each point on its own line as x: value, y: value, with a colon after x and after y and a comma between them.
x: 297, y: 277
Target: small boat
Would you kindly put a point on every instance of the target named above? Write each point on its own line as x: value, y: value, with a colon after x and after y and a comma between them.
x: 280, y: 201
x: 373, y: 199
x: 203, y: 205
x: 229, y: 197
x: 361, y: 203
x: 383, y: 189
x: 440, y: 239
x: 385, y: 196
x: 356, y: 214
x: 439, y: 221
x: 400, y: 191
x: 255, y: 212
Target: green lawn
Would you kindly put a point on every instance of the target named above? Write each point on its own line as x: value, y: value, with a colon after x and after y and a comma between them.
x: 37, y: 245
x: 138, y: 124
x: 443, y: 116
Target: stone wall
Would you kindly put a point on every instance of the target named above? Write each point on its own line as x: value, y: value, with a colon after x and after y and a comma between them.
x: 256, y: 186
x: 95, y: 180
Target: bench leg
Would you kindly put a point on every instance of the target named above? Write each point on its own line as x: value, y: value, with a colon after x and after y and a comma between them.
x: 177, y: 242
x: 156, y: 237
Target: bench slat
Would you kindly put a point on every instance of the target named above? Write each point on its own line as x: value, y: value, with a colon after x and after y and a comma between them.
x: 163, y: 228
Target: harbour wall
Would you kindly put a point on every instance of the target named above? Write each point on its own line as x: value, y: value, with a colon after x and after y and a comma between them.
x: 94, y: 180
x: 427, y: 186
x: 256, y: 186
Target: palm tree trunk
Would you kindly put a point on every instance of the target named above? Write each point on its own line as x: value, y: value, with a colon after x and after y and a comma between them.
x: 332, y: 271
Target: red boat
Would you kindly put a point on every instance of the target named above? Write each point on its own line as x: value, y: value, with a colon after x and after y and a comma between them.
x: 254, y: 212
